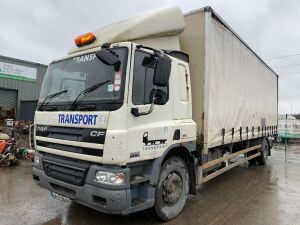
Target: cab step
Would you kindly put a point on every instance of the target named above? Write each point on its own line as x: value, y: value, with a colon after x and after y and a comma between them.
x: 138, y: 179
x: 137, y: 201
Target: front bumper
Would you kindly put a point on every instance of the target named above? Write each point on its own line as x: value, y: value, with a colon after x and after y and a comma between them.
x: 104, y: 198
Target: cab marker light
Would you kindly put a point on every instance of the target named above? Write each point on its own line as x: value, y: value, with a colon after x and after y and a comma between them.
x: 85, y: 39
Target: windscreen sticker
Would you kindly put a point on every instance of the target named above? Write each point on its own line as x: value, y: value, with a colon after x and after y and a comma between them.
x: 117, y: 81
x: 117, y: 87
x: 118, y: 76
x: 110, y: 88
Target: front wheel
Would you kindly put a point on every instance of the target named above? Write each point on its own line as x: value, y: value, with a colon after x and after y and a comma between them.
x: 172, y: 189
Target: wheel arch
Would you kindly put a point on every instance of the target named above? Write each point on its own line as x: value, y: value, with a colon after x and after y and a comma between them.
x: 183, y: 151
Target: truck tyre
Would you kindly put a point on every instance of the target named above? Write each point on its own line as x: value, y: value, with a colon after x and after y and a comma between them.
x: 172, y: 189
x: 263, y: 158
x: 252, y: 161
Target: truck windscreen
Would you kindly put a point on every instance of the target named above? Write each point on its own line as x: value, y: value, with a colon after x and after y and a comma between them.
x: 79, y: 73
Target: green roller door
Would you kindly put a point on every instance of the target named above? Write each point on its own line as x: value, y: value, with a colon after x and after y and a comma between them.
x: 8, y: 98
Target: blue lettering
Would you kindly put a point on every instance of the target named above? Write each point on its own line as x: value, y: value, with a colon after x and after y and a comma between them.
x: 71, y: 118
x: 90, y: 119
x: 77, y: 119
x: 80, y: 119
x: 59, y: 118
x: 85, y: 119
x: 95, y: 118
x: 67, y: 119
x: 62, y: 119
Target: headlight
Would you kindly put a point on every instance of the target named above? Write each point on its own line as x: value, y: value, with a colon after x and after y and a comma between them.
x: 110, y: 178
x: 36, y: 160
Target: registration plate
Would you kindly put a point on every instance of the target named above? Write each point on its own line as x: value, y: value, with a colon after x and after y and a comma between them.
x: 60, y: 197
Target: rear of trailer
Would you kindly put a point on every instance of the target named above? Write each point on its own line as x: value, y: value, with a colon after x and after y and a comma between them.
x: 234, y: 91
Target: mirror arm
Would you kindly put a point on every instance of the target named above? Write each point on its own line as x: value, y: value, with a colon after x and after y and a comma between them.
x: 135, y: 111
x: 158, y: 52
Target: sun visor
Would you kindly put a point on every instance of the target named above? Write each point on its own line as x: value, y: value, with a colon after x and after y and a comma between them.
x: 156, y: 23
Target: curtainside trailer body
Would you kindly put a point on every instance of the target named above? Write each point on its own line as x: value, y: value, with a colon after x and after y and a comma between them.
x: 234, y: 92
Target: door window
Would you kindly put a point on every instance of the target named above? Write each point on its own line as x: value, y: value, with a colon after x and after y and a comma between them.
x: 143, y: 80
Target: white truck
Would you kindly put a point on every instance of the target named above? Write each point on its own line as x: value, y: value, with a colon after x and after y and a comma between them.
x: 142, y: 112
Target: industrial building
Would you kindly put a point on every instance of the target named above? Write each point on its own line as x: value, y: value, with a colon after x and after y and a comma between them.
x: 20, y: 84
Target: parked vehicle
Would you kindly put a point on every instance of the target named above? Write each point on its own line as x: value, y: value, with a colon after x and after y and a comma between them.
x: 288, y: 128
x: 140, y: 113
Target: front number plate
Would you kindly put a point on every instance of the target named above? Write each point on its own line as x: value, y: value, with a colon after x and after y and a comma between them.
x: 60, y: 197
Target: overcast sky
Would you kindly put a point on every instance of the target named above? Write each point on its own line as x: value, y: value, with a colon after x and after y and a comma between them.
x: 42, y: 30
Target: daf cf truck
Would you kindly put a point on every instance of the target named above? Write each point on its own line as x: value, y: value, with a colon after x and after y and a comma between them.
x: 140, y: 113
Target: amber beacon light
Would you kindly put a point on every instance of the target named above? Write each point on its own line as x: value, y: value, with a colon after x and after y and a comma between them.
x: 85, y: 39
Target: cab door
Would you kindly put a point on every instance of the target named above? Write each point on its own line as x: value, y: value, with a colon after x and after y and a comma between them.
x: 148, y: 135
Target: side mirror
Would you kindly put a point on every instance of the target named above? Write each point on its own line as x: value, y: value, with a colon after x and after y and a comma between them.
x: 149, y: 61
x: 162, y: 71
x: 109, y: 58
x: 135, y: 112
x: 160, y: 97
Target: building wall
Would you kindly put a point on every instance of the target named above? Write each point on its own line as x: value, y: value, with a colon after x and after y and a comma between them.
x: 28, y: 91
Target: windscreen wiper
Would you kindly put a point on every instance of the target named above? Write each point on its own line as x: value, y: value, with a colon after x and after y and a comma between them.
x: 51, y: 97
x: 85, y: 92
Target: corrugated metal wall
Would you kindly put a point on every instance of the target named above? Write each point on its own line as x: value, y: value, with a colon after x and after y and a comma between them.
x: 8, y: 98
x: 26, y: 90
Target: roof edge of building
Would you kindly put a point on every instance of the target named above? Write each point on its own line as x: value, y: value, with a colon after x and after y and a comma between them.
x: 23, y: 61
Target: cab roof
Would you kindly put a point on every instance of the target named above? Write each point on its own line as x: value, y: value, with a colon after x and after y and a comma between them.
x: 165, y: 21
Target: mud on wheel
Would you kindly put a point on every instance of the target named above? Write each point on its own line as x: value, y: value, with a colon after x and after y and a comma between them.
x: 172, y: 190
x: 263, y: 158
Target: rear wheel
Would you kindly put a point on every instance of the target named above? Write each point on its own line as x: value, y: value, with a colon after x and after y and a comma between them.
x: 172, y: 189
x: 254, y: 160
x: 263, y: 158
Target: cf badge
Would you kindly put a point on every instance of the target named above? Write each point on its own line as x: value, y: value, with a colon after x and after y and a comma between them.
x: 95, y: 133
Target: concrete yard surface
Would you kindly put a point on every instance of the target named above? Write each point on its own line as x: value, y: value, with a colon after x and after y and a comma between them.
x: 266, y: 195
